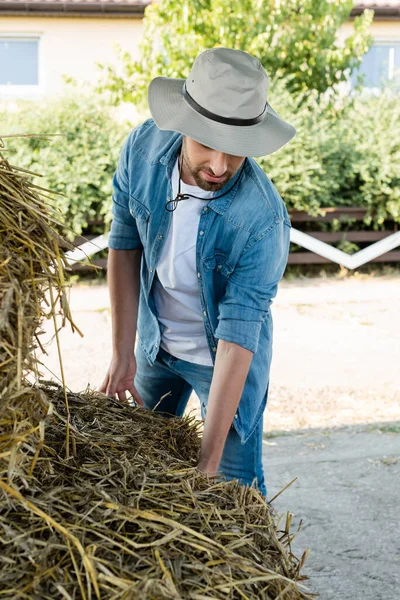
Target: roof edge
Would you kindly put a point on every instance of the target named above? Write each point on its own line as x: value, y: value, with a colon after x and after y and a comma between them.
x: 100, y: 9
x: 76, y: 9
x: 380, y: 12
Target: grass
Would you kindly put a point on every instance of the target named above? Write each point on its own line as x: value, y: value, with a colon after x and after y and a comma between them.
x: 394, y: 428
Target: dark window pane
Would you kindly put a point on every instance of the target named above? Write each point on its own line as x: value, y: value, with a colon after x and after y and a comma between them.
x: 19, y: 62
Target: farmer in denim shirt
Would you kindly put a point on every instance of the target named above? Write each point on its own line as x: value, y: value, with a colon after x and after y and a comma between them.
x: 198, y: 245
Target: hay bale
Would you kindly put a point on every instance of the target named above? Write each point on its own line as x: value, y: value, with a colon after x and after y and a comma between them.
x: 31, y: 271
x: 99, y: 499
x: 128, y: 515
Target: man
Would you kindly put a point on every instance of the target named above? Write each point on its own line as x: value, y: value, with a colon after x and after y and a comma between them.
x: 198, y: 244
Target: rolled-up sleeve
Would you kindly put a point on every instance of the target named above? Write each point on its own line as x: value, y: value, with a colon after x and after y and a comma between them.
x: 252, y: 286
x: 124, y: 234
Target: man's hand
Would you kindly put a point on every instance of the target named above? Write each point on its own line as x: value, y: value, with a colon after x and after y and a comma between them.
x: 119, y: 379
x: 207, y: 468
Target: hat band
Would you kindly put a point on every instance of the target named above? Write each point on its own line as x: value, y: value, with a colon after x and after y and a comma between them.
x: 225, y: 120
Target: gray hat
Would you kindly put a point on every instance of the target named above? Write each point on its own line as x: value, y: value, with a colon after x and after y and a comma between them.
x: 222, y: 104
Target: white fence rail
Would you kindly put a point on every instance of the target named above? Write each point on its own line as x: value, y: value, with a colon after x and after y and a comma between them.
x: 350, y: 261
x: 300, y: 238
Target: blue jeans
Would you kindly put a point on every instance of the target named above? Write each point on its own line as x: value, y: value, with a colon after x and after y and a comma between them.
x: 180, y: 378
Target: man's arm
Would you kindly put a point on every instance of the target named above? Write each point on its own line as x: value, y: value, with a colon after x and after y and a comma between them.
x: 124, y: 288
x: 241, y: 313
x: 124, y: 257
x: 232, y: 364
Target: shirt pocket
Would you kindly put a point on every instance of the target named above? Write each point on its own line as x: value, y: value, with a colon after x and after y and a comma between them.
x: 141, y: 214
x: 217, y: 271
x: 218, y: 263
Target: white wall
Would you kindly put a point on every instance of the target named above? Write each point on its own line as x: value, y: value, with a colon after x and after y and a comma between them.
x: 71, y: 46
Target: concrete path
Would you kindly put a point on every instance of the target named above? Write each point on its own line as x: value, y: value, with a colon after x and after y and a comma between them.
x: 347, y: 494
x: 350, y: 327
x: 335, y: 360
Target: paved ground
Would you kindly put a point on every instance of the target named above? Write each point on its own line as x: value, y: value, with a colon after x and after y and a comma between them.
x: 336, y: 363
x: 347, y: 494
x: 336, y: 351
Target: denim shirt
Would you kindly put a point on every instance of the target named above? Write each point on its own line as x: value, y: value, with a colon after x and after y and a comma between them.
x: 241, y: 253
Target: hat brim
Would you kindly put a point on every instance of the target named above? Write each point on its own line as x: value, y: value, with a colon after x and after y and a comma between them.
x: 170, y: 111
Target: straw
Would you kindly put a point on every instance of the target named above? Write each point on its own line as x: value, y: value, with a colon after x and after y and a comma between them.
x: 31, y: 265
x: 129, y: 515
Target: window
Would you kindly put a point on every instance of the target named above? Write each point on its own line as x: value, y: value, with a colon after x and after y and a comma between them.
x: 19, y: 61
x: 380, y: 65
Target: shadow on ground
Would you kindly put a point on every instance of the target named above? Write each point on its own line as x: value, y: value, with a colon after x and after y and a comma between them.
x: 347, y: 494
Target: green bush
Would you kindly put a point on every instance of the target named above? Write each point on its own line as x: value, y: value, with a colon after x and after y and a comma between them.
x: 374, y: 181
x: 296, y: 42
x: 344, y: 156
x: 349, y: 156
x: 79, y: 162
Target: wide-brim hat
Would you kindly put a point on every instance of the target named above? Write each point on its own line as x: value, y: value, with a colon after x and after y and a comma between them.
x: 222, y: 104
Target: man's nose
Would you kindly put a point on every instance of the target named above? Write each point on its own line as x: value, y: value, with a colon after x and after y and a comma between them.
x: 219, y: 163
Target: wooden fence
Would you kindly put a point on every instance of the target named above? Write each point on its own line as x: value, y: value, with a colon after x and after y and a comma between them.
x: 367, y: 236
x: 378, y: 245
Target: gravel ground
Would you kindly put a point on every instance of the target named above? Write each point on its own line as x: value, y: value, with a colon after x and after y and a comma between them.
x: 336, y: 351
x: 346, y: 493
x: 336, y: 354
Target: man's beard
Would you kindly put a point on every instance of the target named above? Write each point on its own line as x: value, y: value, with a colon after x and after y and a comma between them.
x: 207, y: 186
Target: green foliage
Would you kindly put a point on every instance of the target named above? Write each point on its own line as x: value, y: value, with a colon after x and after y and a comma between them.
x: 345, y: 151
x: 295, y: 42
x: 79, y: 163
x: 348, y: 247
x: 346, y: 156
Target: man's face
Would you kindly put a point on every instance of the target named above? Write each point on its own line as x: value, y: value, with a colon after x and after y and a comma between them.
x: 209, y: 169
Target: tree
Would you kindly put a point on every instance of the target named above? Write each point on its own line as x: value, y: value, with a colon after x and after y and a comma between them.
x: 295, y: 40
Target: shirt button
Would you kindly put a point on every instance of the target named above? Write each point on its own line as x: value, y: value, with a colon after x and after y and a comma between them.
x: 214, y: 349
x: 156, y: 345
x: 219, y: 267
x: 204, y: 313
x: 236, y: 417
x: 205, y: 209
x: 151, y: 270
x: 198, y: 275
x: 160, y: 237
x: 201, y: 232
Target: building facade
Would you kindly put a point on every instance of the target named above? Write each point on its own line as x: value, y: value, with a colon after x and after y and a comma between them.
x: 43, y: 40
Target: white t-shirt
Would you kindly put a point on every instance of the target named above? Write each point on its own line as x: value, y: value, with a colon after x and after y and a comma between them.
x: 176, y: 291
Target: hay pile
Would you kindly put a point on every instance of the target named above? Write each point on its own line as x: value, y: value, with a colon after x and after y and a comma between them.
x: 32, y: 279
x: 99, y: 499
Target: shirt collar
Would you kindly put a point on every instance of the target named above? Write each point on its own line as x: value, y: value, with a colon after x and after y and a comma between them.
x: 222, y: 204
